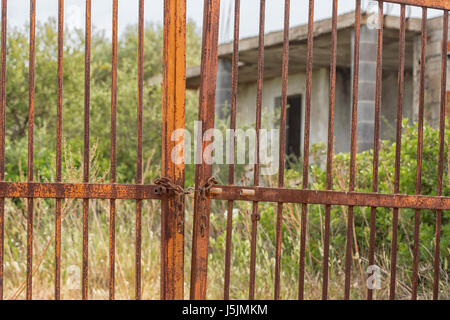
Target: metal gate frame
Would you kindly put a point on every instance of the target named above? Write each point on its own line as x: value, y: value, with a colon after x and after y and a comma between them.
x: 171, y: 190
x: 172, y: 217
x: 305, y: 196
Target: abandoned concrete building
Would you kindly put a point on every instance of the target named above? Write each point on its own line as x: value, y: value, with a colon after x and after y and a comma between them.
x: 248, y: 52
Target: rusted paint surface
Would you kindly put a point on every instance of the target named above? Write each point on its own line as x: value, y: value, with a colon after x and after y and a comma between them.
x: 121, y: 191
x: 79, y: 191
x: 85, y: 190
x: 441, y: 160
x: 334, y: 198
x: 200, y: 242
x: 330, y: 148
x: 353, y: 148
x: 2, y: 135
x: 284, y: 83
x: 173, y: 118
x: 447, y: 108
x: 140, y: 97
x: 376, y: 142
x: 415, y: 272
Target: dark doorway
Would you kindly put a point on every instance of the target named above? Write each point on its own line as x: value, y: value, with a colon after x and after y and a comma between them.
x: 293, y: 126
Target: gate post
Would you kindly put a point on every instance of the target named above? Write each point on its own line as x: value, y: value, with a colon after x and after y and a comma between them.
x: 203, y: 171
x: 173, y: 118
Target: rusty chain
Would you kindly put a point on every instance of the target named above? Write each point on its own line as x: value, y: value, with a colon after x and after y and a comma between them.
x: 168, y: 186
x: 179, y: 192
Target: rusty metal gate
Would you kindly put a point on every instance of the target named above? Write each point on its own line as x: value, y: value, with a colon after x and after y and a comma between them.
x: 171, y: 190
x: 173, y: 117
x: 305, y: 196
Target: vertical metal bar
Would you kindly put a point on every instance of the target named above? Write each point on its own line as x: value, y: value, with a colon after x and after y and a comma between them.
x: 173, y: 118
x: 329, y: 183
x: 437, y: 247
x: 59, y: 147
x: 376, y: 142
x: 203, y: 171
x: 31, y: 86
x: 284, y: 83
x: 112, y: 203
x: 234, y: 91
x: 87, y: 102
x: 2, y: 136
x: 415, y: 274
x: 139, y: 148
x: 353, y: 147
x: 309, y: 66
x: 259, y: 89
x: 398, y: 146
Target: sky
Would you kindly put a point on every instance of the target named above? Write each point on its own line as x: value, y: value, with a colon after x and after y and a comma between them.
x: 18, y: 13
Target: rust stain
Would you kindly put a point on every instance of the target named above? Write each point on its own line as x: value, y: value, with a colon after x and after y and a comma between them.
x: 30, y: 201
x: 308, y: 98
x: 59, y: 116
x: 330, y: 147
x: 203, y: 172
x: 173, y: 118
x: 440, y: 178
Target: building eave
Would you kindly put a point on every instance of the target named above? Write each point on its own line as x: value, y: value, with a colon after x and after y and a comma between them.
x: 298, y: 37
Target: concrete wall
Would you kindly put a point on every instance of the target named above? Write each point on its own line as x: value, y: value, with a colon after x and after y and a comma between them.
x: 246, y: 107
x: 432, y: 73
x: 223, y: 87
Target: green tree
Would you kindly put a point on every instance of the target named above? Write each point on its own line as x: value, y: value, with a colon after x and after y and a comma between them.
x: 73, y: 96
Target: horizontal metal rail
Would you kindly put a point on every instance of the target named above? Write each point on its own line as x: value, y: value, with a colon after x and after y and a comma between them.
x: 359, y: 199
x: 80, y: 191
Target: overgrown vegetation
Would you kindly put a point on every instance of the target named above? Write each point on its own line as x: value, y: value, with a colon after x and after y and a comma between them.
x: 15, y: 215
x: 315, y: 227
